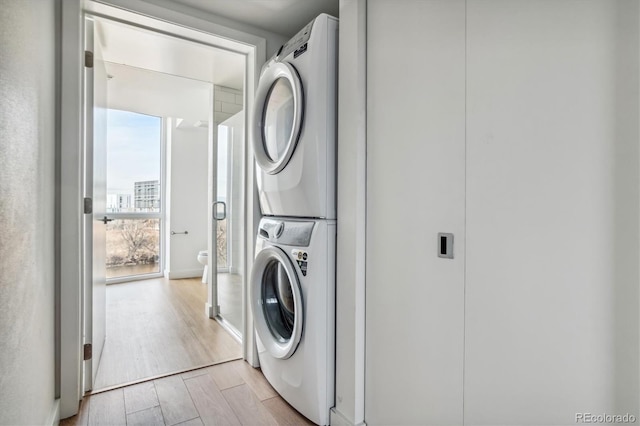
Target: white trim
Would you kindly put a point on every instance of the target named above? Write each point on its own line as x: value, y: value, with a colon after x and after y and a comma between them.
x: 163, y: 240
x: 70, y: 208
x: 131, y: 278
x: 209, y: 311
x: 252, y: 206
x: 54, y: 414
x: 159, y: 19
x: 351, y: 239
x: 184, y: 273
x: 231, y: 30
x: 337, y: 419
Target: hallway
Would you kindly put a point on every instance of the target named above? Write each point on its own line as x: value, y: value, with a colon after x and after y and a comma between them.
x: 158, y: 326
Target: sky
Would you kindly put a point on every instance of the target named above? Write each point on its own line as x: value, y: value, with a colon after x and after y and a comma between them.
x: 133, y: 150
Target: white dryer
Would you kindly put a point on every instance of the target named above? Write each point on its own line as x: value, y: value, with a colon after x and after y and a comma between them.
x: 294, y: 125
x: 292, y: 296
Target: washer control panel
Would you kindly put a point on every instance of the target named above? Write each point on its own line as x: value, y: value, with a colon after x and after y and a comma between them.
x: 302, y: 258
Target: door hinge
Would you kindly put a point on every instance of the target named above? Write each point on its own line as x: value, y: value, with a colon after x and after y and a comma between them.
x: 88, y: 59
x: 87, y: 351
x: 88, y: 205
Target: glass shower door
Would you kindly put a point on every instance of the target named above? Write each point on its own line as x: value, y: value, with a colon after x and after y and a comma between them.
x: 230, y: 230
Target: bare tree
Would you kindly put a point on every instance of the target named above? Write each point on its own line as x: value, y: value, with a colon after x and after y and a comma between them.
x: 222, y: 242
x: 137, y: 238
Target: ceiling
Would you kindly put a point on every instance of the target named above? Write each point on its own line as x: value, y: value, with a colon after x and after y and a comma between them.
x: 141, y: 62
x: 158, y: 94
x: 127, y: 45
x: 284, y: 17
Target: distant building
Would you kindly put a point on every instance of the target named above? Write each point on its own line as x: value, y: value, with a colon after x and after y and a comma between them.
x: 147, y: 195
x: 118, y: 203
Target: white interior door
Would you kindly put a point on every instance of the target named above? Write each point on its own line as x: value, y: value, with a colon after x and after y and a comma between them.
x: 95, y: 218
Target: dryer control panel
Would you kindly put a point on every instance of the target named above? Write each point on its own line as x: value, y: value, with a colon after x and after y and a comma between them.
x: 297, y: 44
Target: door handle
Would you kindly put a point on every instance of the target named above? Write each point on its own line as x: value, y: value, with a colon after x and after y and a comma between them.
x: 105, y: 220
x: 219, y: 210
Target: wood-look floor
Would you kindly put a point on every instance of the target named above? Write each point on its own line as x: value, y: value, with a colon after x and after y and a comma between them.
x: 232, y: 393
x: 158, y: 326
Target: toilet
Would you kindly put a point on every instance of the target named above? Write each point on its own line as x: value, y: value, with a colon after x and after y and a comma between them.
x: 203, y: 258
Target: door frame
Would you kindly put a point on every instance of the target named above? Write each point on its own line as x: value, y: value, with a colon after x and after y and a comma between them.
x: 140, y: 14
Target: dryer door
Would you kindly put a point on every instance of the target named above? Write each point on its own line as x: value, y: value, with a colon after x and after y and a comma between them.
x: 276, y: 300
x: 277, y: 117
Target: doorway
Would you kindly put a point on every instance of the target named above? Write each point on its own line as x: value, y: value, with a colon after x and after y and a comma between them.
x: 73, y: 306
x: 167, y: 177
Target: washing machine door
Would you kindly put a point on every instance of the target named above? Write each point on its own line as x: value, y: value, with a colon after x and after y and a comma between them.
x: 277, y: 117
x: 276, y: 300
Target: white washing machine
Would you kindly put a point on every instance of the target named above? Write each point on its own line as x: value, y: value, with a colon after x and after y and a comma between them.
x: 294, y: 125
x: 292, y: 295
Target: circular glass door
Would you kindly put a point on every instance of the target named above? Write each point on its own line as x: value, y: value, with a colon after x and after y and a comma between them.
x: 276, y: 301
x: 278, y: 117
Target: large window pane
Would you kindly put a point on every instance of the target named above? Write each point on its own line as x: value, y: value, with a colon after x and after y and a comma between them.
x: 134, y: 147
x: 133, y: 247
x: 133, y: 162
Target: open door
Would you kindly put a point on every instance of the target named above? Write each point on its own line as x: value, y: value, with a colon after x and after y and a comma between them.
x: 95, y: 193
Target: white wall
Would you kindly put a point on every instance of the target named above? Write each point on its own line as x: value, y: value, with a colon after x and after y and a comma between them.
x: 158, y: 94
x: 227, y: 102
x: 187, y: 181
x: 27, y: 211
x: 187, y: 189
x: 552, y: 211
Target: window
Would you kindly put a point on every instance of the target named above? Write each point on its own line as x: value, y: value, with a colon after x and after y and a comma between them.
x: 134, y: 194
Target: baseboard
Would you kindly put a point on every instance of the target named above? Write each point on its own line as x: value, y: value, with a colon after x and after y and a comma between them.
x: 54, y: 415
x: 183, y: 273
x: 337, y: 419
x: 209, y: 312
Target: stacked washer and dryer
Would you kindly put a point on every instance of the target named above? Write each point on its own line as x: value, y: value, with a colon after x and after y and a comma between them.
x: 292, y: 289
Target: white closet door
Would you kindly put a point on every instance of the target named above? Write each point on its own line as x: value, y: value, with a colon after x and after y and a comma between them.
x: 552, y: 211
x: 415, y: 189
